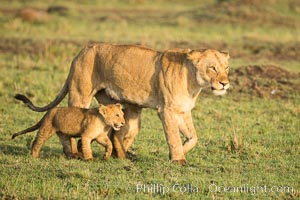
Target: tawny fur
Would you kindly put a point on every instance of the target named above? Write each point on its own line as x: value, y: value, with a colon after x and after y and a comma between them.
x: 168, y: 81
x: 89, y: 124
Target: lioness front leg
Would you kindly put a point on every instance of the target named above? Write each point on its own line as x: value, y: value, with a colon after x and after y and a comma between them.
x: 186, y: 126
x: 172, y: 136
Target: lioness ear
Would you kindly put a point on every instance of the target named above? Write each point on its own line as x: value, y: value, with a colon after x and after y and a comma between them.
x: 226, y: 54
x: 102, y: 109
x: 194, y: 55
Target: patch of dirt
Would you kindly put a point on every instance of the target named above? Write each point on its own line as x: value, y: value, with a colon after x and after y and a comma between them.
x: 198, y: 45
x: 61, y: 10
x: 266, y: 81
x: 30, y: 46
x: 232, y: 12
x: 33, y: 15
x: 16, y: 46
x: 8, y: 10
x: 248, y: 48
x: 136, y: 16
x: 279, y: 51
x: 247, y: 11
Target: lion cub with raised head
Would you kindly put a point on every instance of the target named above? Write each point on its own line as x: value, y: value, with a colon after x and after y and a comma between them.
x: 89, y: 124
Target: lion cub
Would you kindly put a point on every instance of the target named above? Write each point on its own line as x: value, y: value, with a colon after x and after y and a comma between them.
x: 89, y: 124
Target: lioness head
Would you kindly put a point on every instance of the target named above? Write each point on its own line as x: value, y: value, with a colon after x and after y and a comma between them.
x: 113, y: 115
x: 211, y: 68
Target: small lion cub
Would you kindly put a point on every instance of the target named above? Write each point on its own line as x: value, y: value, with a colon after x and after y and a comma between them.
x: 89, y: 124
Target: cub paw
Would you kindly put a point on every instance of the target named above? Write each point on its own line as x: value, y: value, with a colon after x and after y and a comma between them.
x: 88, y: 159
x: 106, y: 157
x: 181, y: 162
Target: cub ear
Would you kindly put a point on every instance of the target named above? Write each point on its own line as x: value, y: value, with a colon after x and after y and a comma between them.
x: 120, y: 106
x: 226, y: 54
x: 102, y: 109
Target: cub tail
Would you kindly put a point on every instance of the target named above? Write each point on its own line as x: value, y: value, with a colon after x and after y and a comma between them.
x: 30, y: 129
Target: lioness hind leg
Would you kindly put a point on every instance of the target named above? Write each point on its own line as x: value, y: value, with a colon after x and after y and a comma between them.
x: 105, y: 141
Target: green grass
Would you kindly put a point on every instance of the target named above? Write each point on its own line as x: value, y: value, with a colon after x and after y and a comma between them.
x: 243, y: 141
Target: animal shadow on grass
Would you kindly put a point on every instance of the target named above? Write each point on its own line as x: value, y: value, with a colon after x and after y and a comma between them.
x: 132, y: 156
x: 14, y: 150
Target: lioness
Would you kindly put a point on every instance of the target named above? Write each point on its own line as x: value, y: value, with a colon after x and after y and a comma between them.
x: 89, y: 124
x: 168, y: 81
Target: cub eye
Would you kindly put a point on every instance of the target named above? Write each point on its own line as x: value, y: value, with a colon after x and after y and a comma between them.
x: 118, y: 115
x: 213, y: 68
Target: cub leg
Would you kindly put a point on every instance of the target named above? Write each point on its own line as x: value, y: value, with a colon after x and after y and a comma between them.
x: 74, y: 149
x: 79, y: 97
x: 44, y: 133
x: 105, y: 141
x: 86, y: 148
x: 117, y: 139
x: 65, y: 140
x: 79, y: 147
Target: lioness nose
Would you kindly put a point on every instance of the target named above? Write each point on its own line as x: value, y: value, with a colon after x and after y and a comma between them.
x: 223, y: 83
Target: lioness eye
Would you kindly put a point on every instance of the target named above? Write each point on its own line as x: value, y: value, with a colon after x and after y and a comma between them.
x: 118, y: 115
x: 213, y: 68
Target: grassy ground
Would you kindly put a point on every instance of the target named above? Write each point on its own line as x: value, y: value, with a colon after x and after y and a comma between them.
x: 252, y: 142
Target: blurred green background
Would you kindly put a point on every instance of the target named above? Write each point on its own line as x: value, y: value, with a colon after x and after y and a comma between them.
x: 250, y: 136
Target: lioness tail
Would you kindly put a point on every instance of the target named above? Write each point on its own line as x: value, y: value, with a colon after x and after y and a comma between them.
x: 54, y: 103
